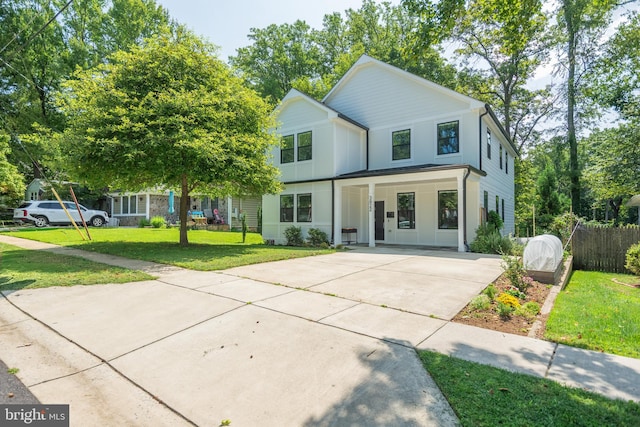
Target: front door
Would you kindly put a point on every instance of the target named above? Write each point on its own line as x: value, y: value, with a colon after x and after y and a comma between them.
x: 379, y: 214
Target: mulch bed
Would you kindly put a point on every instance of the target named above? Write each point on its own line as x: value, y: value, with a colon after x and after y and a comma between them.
x: 489, y: 319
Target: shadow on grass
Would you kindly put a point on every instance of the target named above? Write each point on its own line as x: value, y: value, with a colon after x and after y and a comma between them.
x: 488, y: 395
x: 396, y: 392
x: 200, y: 256
x: 7, y: 283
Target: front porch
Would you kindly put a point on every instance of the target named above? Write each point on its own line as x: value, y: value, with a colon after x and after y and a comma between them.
x: 432, y: 207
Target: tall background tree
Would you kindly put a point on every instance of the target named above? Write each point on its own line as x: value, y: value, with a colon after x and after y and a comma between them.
x: 168, y: 114
x: 41, y: 45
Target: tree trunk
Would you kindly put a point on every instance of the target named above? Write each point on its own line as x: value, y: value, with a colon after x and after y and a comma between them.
x: 571, y: 102
x: 184, y: 207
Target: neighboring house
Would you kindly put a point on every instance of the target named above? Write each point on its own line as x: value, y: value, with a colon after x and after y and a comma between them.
x: 130, y: 208
x: 392, y: 158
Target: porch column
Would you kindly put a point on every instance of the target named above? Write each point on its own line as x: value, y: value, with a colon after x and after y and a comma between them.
x: 461, y: 213
x: 229, y: 211
x: 372, y: 215
x: 147, y: 212
x: 337, y: 214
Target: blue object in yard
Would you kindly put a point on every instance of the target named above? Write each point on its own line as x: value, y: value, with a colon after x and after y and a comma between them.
x: 171, y: 202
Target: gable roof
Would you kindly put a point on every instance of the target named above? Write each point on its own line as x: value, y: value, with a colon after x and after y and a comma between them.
x: 295, y: 94
x: 367, y: 61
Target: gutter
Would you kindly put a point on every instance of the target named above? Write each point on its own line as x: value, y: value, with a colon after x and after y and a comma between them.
x: 367, y: 148
x: 464, y: 209
x: 333, y: 211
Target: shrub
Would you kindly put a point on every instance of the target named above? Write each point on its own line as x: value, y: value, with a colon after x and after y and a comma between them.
x: 528, y: 310
x: 158, y: 222
x: 505, y: 310
x: 633, y: 259
x: 491, y: 291
x: 515, y: 272
x: 490, y: 241
x: 507, y: 299
x: 494, y: 221
x: 144, y: 222
x: 317, y: 237
x: 480, y: 302
x: 293, y: 235
x: 513, y: 291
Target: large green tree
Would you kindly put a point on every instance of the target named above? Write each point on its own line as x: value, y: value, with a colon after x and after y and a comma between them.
x: 168, y: 114
x: 11, y: 181
x: 42, y: 43
x: 294, y: 55
x: 582, y: 24
x: 501, y: 41
x: 614, y: 164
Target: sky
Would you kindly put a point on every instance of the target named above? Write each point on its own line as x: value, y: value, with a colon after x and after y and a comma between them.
x: 227, y: 23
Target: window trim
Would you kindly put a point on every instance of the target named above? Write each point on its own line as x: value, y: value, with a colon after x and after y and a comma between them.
x: 298, y: 146
x: 438, y: 139
x: 440, y: 222
x: 393, y: 147
x: 292, y: 149
x: 297, y: 207
x: 412, y: 218
x: 282, y: 217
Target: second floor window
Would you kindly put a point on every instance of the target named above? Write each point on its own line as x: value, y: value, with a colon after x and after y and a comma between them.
x: 488, y: 144
x: 401, y: 144
x: 448, y: 138
x: 286, y: 149
x: 304, y: 146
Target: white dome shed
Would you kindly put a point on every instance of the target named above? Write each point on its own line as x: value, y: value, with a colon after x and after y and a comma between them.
x: 542, y: 258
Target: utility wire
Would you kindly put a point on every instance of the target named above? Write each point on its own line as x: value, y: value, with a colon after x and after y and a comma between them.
x: 37, y: 33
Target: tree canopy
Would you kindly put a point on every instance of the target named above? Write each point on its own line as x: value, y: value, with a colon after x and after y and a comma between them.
x: 168, y: 114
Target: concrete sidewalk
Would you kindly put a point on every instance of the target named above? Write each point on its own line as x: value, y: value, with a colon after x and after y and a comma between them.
x: 196, y: 348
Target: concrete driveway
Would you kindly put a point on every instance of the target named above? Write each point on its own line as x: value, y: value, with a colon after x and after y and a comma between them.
x: 332, y: 347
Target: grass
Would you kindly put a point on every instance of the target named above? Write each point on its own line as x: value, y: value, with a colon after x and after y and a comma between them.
x: 27, y: 269
x: 595, y: 313
x: 207, y: 250
x: 486, y: 396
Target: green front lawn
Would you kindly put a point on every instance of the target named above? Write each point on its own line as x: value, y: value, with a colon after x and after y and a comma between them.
x: 207, y: 250
x: 486, y: 396
x: 25, y: 269
x: 595, y: 313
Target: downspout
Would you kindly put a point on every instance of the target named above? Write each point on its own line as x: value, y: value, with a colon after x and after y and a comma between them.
x: 464, y: 208
x: 486, y: 111
x: 367, y: 148
x: 333, y: 211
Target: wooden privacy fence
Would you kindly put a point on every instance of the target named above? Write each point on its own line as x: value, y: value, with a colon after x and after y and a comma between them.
x: 603, y: 248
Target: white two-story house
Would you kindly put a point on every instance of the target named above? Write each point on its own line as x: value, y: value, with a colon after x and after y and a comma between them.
x: 389, y: 157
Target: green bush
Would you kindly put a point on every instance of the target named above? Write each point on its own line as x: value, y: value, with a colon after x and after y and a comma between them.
x: 528, y: 310
x: 491, y: 291
x: 633, y: 259
x: 515, y: 272
x: 494, y: 221
x: 158, y: 222
x: 293, y: 235
x: 505, y: 310
x: 317, y: 237
x: 490, y: 241
x: 480, y: 302
x: 144, y: 222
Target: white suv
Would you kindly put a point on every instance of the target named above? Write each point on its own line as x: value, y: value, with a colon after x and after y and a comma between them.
x: 44, y: 212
